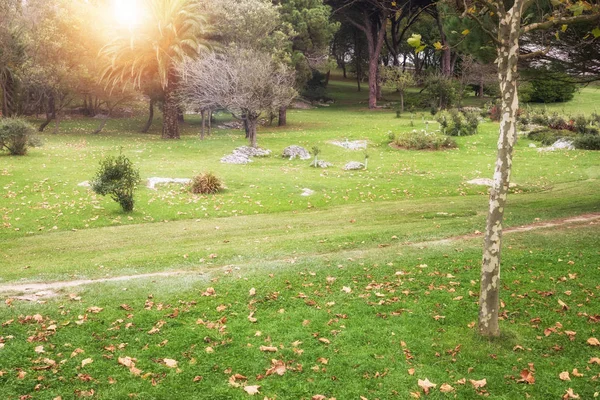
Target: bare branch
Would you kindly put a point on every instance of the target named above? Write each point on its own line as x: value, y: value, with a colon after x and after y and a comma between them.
x: 560, y: 21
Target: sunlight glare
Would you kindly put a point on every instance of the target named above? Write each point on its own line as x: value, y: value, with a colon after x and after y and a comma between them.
x: 127, y: 12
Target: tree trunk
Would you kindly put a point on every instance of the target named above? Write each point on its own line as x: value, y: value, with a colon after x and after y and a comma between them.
x: 282, y: 116
x: 508, y: 54
x: 327, y: 76
x: 180, y: 114
x: 252, y: 122
x: 402, y: 101
x: 146, y: 127
x: 101, y: 126
x: 210, y: 117
x: 203, y: 115
x: 357, y: 60
x: 170, y: 129
x: 56, y: 123
x: 50, y: 113
x: 344, y: 70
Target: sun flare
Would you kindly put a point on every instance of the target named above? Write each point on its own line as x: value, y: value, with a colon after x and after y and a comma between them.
x: 127, y: 12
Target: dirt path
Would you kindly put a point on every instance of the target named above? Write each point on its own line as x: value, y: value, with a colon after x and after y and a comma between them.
x: 36, y: 291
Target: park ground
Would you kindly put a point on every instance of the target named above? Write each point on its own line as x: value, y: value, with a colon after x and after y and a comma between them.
x: 366, y: 288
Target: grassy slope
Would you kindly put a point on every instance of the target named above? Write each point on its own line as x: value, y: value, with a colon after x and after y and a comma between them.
x: 266, y: 236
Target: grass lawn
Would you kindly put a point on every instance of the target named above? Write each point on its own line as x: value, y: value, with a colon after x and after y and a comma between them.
x: 351, y: 294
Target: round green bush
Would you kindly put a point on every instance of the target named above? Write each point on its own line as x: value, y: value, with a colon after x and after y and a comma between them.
x: 118, y: 178
x: 16, y: 135
x: 550, y: 87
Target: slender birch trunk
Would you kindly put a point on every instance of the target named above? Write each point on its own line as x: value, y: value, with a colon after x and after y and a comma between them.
x: 508, y: 56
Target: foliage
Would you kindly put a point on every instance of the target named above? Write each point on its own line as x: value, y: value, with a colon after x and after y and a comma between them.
x: 118, y: 178
x: 422, y: 140
x: 444, y: 91
x: 206, y: 183
x: 549, y: 136
x: 316, y: 87
x: 457, y: 123
x: 548, y: 87
x: 16, y: 135
x: 587, y: 142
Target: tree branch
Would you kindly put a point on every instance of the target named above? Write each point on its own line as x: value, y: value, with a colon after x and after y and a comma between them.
x: 559, y: 21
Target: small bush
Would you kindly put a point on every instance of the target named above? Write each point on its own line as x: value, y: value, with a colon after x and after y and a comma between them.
x: 551, y: 87
x: 561, y: 123
x: 444, y: 92
x: 549, y: 136
x: 455, y: 123
x: 587, y: 142
x: 118, y: 178
x: 421, y: 140
x: 206, y: 183
x: 16, y: 136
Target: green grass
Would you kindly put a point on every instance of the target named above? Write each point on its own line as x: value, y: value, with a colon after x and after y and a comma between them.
x: 359, y: 227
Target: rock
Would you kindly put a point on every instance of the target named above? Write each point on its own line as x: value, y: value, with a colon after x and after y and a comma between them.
x: 354, y: 165
x: 560, y: 144
x: 354, y: 145
x: 301, y: 105
x: 532, y: 145
x: 321, y: 164
x: 236, y: 158
x: 486, y: 182
x: 307, y: 192
x: 84, y: 184
x: 252, y: 151
x: 152, y: 182
x: 294, y: 151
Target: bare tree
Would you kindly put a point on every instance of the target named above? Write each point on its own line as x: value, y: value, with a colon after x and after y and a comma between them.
x: 246, y: 82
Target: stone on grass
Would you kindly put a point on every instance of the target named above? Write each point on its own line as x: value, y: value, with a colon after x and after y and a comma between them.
x: 560, y: 144
x: 236, y: 158
x: 351, y: 145
x: 252, y: 151
x: 152, y: 182
x: 321, y: 164
x: 354, y: 165
x: 307, y: 192
x: 84, y: 184
x: 294, y: 151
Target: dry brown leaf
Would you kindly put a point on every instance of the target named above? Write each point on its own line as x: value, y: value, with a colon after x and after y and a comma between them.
x: 594, y: 360
x: 563, y: 305
x: 576, y: 373
x: 318, y: 397
x: 126, y: 361
x: 271, y: 349
x: 445, y: 388
x: 86, y: 362
x: 322, y: 360
x: 346, y: 289
x: 94, y: 309
x: 570, y: 394
x: 462, y: 381
x: 411, y: 371
x: 593, y: 341
x: 426, y: 385
x: 209, y: 350
x: 527, y: 377
x: 277, y: 367
x: 39, y: 349
x: 169, y: 362
x: 478, y: 384
x: 252, y: 390
x: 324, y: 340
x: 251, y: 317
x: 564, y: 376
x: 252, y: 292
x: 198, y: 378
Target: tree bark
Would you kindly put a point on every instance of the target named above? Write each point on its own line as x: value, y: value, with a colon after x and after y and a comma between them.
x: 101, y: 126
x: 446, y: 56
x: 203, y: 115
x: 508, y: 54
x: 282, y: 116
x: 50, y: 113
x: 402, y: 101
x: 210, y: 117
x: 252, y: 122
x: 148, y: 124
x: 170, y: 129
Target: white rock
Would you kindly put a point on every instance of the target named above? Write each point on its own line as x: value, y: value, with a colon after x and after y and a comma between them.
x: 321, y: 164
x: 84, y: 184
x: 353, y: 165
x: 532, y: 145
x: 236, y: 158
x: 152, y: 182
x: 294, y: 151
x: 351, y: 145
x: 252, y: 151
x: 307, y: 192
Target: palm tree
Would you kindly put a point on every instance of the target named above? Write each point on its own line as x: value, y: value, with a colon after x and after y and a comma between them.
x: 173, y: 31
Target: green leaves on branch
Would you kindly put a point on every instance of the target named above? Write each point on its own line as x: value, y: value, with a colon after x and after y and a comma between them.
x: 118, y: 178
x: 415, y: 42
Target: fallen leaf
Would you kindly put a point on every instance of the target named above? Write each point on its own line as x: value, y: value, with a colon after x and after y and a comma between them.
x: 411, y: 371
x: 86, y: 362
x: 252, y: 390
x: 346, y: 289
x: 251, y: 317
x: 252, y: 292
x: 527, y: 377
x: 324, y: 340
x: 198, y: 378
x: 478, y: 384
x: 277, y: 367
x: 594, y: 360
x: 570, y: 395
x: 593, y: 341
x: 576, y: 373
x: 563, y: 305
x: 170, y: 363
x: 318, y: 397
x: 39, y: 349
x: 271, y: 349
x: 126, y: 307
x: 445, y: 388
x: 426, y: 385
x: 564, y: 376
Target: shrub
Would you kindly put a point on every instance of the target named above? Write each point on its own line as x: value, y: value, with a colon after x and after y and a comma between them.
x: 551, y: 87
x: 421, y: 140
x: 444, y: 90
x: 587, y: 142
x: 316, y: 87
x: 118, y: 178
x: 583, y: 126
x: 16, y: 136
x: 561, y: 123
x: 455, y: 123
x: 206, y: 183
x: 548, y: 136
